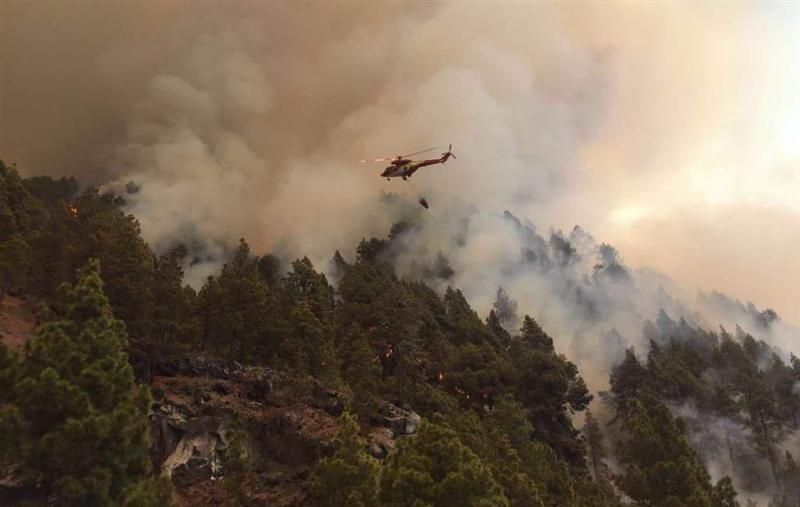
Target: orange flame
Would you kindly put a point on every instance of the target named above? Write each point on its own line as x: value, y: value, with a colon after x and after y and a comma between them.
x: 73, y: 210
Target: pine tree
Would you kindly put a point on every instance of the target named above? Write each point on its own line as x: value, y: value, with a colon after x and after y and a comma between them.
x: 15, y: 264
x: 724, y: 494
x: 781, y: 378
x: 359, y: 367
x: 627, y: 380
x: 795, y: 363
x: 82, y: 421
x: 338, y: 266
x: 329, y: 363
x: 548, y: 385
x: 240, y: 315
x: 349, y: 477
x: 789, y: 494
x: 269, y: 267
x: 303, y: 283
x: 21, y: 219
x: 306, y: 352
x: 534, y: 335
x: 762, y: 408
x: 463, y: 320
x: 170, y: 303
x: 519, y: 487
x: 496, y: 327
x: 661, y: 468
x: 506, y: 309
x: 11, y: 423
x: 20, y: 212
x: 102, y: 230
x: 371, y: 251
x: 174, y: 328
x: 51, y: 192
x: 597, y: 451
x: 436, y: 469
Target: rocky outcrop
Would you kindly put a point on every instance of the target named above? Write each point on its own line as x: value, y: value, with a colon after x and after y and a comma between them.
x: 287, y: 424
x: 390, y: 423
x: 189, y: 449
x: 201, y: 403
x: 295, y: 436
x: 400, y: 421
x: 381, y: 442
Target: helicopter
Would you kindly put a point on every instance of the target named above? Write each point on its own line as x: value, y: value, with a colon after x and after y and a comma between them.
x: 404, y: 167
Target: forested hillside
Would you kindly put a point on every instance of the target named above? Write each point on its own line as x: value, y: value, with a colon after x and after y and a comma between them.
x: 360, y: 388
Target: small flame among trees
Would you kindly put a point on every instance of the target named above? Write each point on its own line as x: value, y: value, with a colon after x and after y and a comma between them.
x: 387, y: 354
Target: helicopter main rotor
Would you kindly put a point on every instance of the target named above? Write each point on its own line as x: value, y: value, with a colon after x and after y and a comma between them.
x: 398, y: 157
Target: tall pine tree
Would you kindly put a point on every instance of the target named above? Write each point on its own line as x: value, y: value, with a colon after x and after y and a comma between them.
x: 661, y: 468
x: 436, y: 469
x: 349, y: 478
x: 82, y: 421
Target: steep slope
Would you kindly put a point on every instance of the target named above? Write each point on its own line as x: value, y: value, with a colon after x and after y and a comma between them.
x: 251, y: 375
x: 17, y: 321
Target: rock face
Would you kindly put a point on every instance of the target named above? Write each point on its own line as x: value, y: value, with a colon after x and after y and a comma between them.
x: 194, y: 449
x: 285, y: 425
x: 381, y: 442
x: 412, y: 423
x: 193, y: 365
x: 400, y: 421
x: 202, y: 403
x: 391, y: 423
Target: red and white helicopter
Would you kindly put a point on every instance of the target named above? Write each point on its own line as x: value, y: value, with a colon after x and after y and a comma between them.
x: 403, y: 167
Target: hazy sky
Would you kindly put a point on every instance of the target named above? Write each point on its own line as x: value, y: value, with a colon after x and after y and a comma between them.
x: 669, y: 130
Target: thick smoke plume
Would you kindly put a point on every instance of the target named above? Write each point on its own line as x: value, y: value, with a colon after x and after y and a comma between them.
x: 248, y: 119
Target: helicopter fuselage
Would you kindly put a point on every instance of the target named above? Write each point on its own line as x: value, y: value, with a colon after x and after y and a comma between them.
x: 399, y: 171
x: 405, y: 168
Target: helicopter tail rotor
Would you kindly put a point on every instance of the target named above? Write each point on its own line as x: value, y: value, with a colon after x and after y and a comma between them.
x: 449, y: 153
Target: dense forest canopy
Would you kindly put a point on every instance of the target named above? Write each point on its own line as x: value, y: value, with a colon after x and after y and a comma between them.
x: 500, y: 405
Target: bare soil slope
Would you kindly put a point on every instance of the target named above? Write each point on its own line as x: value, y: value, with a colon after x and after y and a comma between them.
x: 17, y: 321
